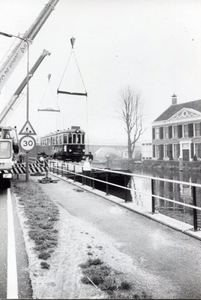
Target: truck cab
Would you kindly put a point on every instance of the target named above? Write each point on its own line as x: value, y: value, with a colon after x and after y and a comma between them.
x: 8, y: 148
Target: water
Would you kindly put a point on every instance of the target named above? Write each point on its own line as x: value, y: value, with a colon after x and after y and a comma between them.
x: 179, y: 192
x: 140, y: 195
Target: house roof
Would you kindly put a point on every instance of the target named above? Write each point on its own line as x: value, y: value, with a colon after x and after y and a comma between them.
x: 173, y: 109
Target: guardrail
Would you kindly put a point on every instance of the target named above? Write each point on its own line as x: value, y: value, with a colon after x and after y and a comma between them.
x: 76, y: 171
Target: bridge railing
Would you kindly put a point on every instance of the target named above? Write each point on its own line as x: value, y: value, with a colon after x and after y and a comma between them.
x: 77, y: 173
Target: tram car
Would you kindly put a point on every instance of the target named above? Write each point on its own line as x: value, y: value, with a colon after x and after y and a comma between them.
x: 65, y: 145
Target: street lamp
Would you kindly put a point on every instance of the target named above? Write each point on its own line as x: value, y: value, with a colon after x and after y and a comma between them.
x: 27, y: 107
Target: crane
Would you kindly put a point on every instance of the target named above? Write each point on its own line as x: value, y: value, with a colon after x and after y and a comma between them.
x: 17, y: 53
x: 17, y: 93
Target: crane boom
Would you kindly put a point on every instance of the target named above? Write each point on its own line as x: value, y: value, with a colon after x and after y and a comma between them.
x: 15, y: 56
x: 17, y: 93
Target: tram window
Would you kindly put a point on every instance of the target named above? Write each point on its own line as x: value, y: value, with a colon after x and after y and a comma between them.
x: 70, y: 138
x: 78, y: 138
x: 83, y: 139
x: 65, y: 139
x: 74, y: 138
x: 57, y: 140
x: 60, y: 140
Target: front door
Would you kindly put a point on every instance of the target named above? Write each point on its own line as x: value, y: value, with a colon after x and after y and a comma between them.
x: 185, y: 154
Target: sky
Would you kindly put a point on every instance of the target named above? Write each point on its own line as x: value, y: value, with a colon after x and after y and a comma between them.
x: 151, y: 45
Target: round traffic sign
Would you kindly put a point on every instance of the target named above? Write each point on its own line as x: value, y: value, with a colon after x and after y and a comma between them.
x: 27, y: 143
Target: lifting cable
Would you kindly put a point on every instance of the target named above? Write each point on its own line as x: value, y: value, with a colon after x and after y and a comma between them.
x: 48, y: 109
x: 72, y: 40
x: 66, y: 92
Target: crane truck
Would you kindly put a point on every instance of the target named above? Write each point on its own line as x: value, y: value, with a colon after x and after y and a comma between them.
x: 9, y: 145
x: 8, y: 136
x: 8, y: 150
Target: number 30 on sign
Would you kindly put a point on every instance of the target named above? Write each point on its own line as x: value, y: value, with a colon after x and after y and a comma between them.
x: 27, y: 143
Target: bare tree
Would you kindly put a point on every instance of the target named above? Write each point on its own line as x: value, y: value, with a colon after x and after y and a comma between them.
x: 131, y: 112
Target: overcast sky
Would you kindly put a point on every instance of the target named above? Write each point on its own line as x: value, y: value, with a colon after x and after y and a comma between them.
x: 152, y: 45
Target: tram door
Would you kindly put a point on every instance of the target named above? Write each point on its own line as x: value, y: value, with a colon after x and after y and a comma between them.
x: 185, y: 154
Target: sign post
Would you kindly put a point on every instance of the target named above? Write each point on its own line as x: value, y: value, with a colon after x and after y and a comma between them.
x: 27, y: 143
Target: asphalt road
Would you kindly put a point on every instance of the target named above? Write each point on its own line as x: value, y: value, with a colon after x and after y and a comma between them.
x: 24, y: 290
x: 3, y: 244
x: 165, y: 259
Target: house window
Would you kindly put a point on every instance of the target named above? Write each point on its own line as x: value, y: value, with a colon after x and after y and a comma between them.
x: 166, y: 132
x: 165, y: 151
x: 176, y: 150
x: 157, y: 151
x: 175, y: 132
x: 157, y: 133
x: 185, y: 145
x: 198, y: 150
x: 197, y: 129
x: 185, y: 130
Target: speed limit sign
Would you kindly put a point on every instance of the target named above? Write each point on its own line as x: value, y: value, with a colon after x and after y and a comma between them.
x: 27, y: 143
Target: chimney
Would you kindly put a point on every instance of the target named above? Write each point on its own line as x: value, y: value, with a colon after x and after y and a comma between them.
x: 174, y: 99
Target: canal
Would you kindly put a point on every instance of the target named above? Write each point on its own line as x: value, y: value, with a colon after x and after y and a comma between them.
x: 174, y: 191
x: 140, y: 193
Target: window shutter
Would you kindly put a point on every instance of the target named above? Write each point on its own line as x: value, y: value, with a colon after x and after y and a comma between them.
x: 170, y: 132
x: 192, y: 152
x: 153, y: 133
x: 190, y: 130
x: 161, y: 133
x: 153, y: 150
x: 179, y: 131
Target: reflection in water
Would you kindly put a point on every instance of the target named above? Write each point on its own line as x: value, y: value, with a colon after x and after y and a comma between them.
x: 179, y: 192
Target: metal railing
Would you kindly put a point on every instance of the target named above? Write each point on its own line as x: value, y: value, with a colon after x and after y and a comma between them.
x: 77, y: 173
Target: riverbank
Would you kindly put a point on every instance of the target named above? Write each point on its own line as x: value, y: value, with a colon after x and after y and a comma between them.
x: 131, y: 164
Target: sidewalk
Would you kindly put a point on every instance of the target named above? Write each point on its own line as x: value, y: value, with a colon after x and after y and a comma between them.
x: 165, y: 220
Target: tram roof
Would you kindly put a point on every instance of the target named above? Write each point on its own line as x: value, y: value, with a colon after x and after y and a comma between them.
x: 69, y: 130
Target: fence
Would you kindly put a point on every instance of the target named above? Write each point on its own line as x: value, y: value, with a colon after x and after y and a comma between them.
x: 77, y: 173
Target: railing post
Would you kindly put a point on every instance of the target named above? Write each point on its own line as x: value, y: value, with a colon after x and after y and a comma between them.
x: 57, y: 169
x: 67, y: 171
x: 107, y: 186
x: 82, y: 176
x: 152, y: 197
x: 125, y: 189
x: 195, y: 222
x: 93, y: 184
x: 74, y: 172
x: 90, y: 183
x: 62, y: 174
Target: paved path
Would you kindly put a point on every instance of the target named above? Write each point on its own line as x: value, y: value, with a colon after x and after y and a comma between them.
x: 169, y: 260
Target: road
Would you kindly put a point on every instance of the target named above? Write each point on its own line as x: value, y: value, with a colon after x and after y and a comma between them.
x: 14, y: 276
x: 168, y: 260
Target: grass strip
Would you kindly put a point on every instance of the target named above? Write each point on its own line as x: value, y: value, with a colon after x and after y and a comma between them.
x: 41, y: 214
